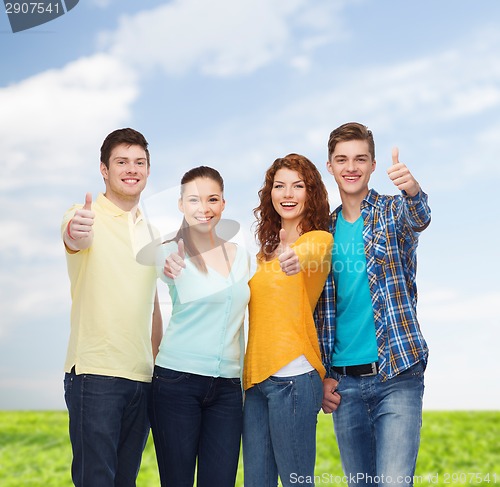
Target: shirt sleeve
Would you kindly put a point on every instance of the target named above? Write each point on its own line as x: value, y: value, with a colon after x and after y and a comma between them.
x: 416, y: 211
x: 324, y: 319
x: 314, y: 251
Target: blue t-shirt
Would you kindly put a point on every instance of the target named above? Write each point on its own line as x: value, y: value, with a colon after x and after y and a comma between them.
x: 355, y: 341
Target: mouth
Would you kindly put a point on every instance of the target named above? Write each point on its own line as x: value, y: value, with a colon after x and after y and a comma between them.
x: 130, y: 181
x: 288, y: 205
x: 351, y: 178
x: 203, y: 219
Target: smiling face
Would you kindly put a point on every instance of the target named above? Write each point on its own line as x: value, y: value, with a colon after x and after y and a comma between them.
x: 352, y: 165
x: 126, y: 176
x: 289, y: 195
x: 202, y: 203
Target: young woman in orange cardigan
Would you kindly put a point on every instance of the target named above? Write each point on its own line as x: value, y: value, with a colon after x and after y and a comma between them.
x: 283, y: 371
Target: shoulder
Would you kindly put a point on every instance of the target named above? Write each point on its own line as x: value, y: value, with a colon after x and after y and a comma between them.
x: 315, y: 236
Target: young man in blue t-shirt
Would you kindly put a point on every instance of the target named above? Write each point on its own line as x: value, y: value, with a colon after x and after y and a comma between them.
x: 370, y: 339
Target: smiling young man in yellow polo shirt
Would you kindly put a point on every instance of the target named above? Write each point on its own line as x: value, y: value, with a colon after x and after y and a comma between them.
x: 116, y: 324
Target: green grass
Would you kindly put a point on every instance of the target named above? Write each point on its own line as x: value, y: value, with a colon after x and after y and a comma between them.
x: 455, y: 446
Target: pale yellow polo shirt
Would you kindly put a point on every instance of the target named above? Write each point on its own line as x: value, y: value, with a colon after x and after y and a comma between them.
x: 112, y: 297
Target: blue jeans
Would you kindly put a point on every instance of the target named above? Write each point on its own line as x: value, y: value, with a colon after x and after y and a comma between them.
x: 196, y: 418
x: 279, y: 430
x: 377, y: 426
x: 108, y: 428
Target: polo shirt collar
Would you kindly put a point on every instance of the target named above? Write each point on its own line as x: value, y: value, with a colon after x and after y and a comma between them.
x: 111, y: 209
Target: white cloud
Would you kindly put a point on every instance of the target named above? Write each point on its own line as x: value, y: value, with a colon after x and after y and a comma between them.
x: 223, y: 37
x: 452, y: 306
x: 463, y: 331
x: 52, y: 125
x: 58, y: 113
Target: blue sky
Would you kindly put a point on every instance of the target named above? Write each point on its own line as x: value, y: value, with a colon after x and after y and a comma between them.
x: 235, y: 85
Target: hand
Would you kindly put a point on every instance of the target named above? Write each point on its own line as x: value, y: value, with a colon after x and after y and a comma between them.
x: 80, y: 226
x: 174, y: 263
x: 401, y: 176
x: 331, y: 398
x: 288, y: 259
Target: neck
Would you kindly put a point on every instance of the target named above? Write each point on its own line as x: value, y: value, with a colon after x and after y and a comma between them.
x: 351, y: 205
x: 205, y: 241
x: 292, y: 230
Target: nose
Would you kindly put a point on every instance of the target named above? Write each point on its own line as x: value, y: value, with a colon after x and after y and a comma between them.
x: 131, y: 167
x: 203, y: 207
x: 288, y: 191
x: 351, y: 166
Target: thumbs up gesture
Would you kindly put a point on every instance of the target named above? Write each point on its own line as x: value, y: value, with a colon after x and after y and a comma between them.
x: 175, y: 262
x: 288, y: 259
x: 80, y: 226
x: 401, y: 176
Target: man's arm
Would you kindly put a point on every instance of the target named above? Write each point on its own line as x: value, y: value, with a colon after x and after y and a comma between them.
x: 417, y: 210
x: 157, y: 327
x: 78, y: 234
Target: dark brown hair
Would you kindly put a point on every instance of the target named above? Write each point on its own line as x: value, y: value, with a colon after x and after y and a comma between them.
x: 351, y: 131
x: 316, y: 210
x: 126, y: 136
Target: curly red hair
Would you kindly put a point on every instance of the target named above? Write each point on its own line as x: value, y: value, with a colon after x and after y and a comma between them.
x: 316, y: 210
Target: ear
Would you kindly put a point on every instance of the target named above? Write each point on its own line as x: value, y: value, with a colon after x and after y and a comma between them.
x: 374, y: 165
x: 104, y: 171
x: 329, y: 167
x: 180, y: 205
x: 223, y: 204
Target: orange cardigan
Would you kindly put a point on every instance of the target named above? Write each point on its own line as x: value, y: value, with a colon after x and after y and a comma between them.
x: 281, y: 325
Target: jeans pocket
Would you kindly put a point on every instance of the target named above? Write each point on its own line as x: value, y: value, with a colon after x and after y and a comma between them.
x: 317, y: 389
x: 68, y: 386
x: 335, y: 375
x: 283, y: 381
x: 169, y: 375
x: 416, y: 370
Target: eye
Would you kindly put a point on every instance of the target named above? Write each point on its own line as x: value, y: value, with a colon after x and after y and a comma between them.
x: 193, y: 200
x: 214, y: 199
x: 278, y: 186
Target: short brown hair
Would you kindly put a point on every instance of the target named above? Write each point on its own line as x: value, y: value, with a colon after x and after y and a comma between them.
x: 351, y: 131
x: 126, y: 136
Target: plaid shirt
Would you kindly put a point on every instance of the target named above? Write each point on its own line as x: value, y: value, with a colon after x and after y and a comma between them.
x: 391, y: 229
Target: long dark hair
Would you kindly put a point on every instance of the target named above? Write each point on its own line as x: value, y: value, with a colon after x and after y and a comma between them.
x: 184, y: 232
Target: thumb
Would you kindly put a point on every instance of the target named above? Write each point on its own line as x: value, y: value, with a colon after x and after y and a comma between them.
x: 282, y: 240
x: 180, y: 249
x: 88, y: 202
x: 395, y: 155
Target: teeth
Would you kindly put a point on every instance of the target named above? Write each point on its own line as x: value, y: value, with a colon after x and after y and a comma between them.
x: 289, y: 204
x: 203, y: 219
